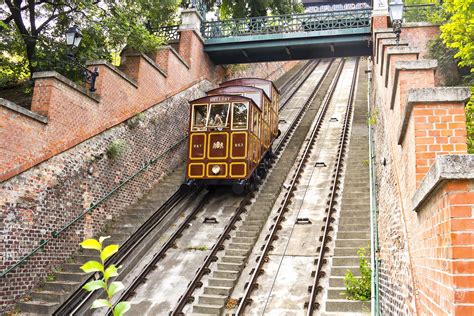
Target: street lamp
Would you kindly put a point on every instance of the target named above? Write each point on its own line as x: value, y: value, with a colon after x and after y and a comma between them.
x: 73, y: 40
x: 395, y: 8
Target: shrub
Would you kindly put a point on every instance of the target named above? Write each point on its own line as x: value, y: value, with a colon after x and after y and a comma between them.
x: 358, y: 288
x: 135, y: 120
x: 116, y: 148
x: 111, y: 271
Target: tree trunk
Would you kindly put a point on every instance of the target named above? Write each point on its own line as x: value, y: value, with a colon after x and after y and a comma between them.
x: 30, y: 44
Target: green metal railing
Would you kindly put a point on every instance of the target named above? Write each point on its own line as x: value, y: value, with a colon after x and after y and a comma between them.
x: 168, y: 33
x: 290, y: 23
x: 56, y: 233
x: 374, y: 239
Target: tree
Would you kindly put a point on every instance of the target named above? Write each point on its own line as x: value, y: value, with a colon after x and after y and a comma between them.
x: 255, y: 8
x: 32, y: 30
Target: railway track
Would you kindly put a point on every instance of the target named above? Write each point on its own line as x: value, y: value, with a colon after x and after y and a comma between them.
x: 78, y: 302
x: 239, y: 232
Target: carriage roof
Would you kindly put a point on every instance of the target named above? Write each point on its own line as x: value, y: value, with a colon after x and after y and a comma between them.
x: 241, y: 89
x: 251, y: 82
x: 223, y: 98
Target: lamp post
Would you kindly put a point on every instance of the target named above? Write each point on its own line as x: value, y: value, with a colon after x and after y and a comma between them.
x: 395, y: 9
x: 73, y: 40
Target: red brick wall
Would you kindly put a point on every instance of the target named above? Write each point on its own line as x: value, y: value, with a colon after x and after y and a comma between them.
x: 62, y: 163
x: 426, y: 256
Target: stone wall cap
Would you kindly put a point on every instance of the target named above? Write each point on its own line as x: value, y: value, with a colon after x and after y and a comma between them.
x: 402, y: 50
x: 444, y: 168
x: 393, y: 41
x: 102, y: 62
x: 416, y: 64
x: 66, y: 81
x: 438, y: 94
x: 19, y: 109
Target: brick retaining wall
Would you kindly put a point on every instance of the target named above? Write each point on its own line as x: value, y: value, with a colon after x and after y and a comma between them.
x: 425, y: 233
x: 53, y: 162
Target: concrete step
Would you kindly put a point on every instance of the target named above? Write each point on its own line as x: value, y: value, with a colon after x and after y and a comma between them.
x: 240, y: 245
x: 241, y: 233
x: 70, y: 276
x: 335, y: 281
x: 345, y: 261
x: 350, y: 251
x: 60, y: 286
x: 226, y: 266
x: 225, y: 274
x: 237, y: 252
x: 342, y: 305
x: 49, y: 296
x: 233, y: 259
x: 72, y: 267
x: 244, y: 240
x: 360, y: 214
x: 38, y: 307
x: 250, y: 228
x: 350, y: 194
x: 342, y: 270
x: 336, y: 293
x: 206, y: 299
x: 354, y: 227
x: 345, y: 243
x: 353, y: 235
x: 354, y: 220
x: 217, y: 290
x: 207, y: 309
x: 216, y: 282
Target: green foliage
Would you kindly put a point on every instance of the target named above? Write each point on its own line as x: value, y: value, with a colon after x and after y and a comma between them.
x: 359, y: 288
x: 470, y: 122
x: 458, y: 31
x: 116, y: 148
x: 107, y: 26
x: 135, y: 120
x: 446, y: 61
x: 372, y: 120
x: 95, y: 266
x: 254, y: 8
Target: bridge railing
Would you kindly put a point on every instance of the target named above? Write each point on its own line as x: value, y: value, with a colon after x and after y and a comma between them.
x: 291, y: 23
x: 168, y: 33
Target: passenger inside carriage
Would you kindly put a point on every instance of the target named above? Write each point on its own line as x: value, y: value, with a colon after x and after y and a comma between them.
x: 218, y: 116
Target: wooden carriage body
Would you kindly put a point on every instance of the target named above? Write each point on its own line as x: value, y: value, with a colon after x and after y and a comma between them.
x: 231, y: 130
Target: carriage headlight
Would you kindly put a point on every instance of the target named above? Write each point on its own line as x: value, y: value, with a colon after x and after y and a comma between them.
x: 216, y: 169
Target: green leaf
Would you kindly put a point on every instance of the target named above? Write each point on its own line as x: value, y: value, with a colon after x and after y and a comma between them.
x: 121, y: 308
x: 101, y: 239
x: 100, y: 303
x: 92, y: 266
x: 94, y: 285
x: 108, y: 251
x: 111, y: 271
x: 91, y: 244
x: 115, y: 287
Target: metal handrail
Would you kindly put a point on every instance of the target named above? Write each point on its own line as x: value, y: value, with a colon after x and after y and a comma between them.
x: 57, y: 233
x: 289, y: 23
x: 169, y: 33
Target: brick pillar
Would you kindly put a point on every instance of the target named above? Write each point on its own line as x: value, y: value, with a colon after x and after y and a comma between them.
x: 380, y: 22
x: 190, y: 34
x: 162, y: 57
x: 409, y: 74
x: 439, y: 124
x: 42, y: 95
x: 394, y: 54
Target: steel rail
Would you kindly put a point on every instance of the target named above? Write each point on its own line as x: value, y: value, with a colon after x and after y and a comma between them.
x: 283, y: 88
x: 343, y: 140
x: 257, y: 271
x: 292, y: 94
x: 151, y: 265
x: 187, y: 297
x: 80, y: 297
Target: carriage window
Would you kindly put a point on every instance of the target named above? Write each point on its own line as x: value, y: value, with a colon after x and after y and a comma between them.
x: 239, y: 115
x: 218, y: 115
x: 199, y: 117
x: 256, y: 120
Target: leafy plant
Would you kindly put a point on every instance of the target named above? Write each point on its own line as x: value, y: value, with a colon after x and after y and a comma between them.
x: 116, y: 148
x: 358, y: 288
x: 51, y: 277
x: 135, y: 120
x: 111, y: 271
x: 372, y: 120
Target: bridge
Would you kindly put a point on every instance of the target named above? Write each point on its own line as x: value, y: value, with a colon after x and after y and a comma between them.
x: 284, y: 37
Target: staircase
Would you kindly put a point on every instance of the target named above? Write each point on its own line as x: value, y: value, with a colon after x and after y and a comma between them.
x: 354, y: 222
x: 45, y: 299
